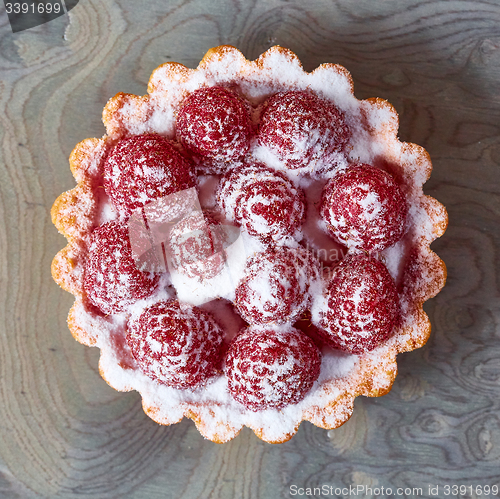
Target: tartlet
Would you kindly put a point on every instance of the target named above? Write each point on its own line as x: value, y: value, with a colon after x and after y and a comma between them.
x: 256, y: 157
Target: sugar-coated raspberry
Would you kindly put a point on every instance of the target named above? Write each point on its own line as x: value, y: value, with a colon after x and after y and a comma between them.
x: 236, y: 180
x: 364, y: 208
x: 196, y: 246
x: 275, y: 286
x: 176, y: 344
x: 111, y: 279
x: 270, y: 369
x: 262, y: 200
x: 142, y: 168
x: 362, y: 305
x: 303, y: 130
x: 214, y: 123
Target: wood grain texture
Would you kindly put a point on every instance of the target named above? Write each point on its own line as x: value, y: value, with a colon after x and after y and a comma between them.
x: 65, y: 433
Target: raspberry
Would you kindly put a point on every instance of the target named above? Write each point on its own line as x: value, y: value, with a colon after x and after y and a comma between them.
x: 176, y: 345
x: 215, y: 123
x: 362, y: 305
x: 275, y: 286
x: 196, y: 246
x: 269, y: 369
x: 142, y: 168
x: 111, y: 279
x: 364, y: 208
x: 264, y: 201
x: 303, y: 130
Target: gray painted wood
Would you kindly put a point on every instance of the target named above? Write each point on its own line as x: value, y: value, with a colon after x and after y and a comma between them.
x: 65, y: 433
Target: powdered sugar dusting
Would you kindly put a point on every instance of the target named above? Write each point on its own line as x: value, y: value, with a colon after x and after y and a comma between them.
x: 373, y: 126
x: 271, y: 367
x: 275, y: 286
x: 265, y: 202
x: 364, y: 208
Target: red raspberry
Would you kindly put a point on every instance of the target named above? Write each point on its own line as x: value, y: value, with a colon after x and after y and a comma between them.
x: 364, y: 208
x: 270, y: 369
x: 142, y: 168
x: 303, y: 130
x: 176, y: 345
x: 196, y: 246
x: 215, y: 123
x: 236, y: 180
x: 362, y: 305
x: 263, y: 200
x: 111, y: 279
x: 275, y: 286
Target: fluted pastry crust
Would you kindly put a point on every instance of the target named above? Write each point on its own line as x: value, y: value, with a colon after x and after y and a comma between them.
x: 77, y: 212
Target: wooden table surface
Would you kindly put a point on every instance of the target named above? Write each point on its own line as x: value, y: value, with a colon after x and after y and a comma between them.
x: 65, y: 433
